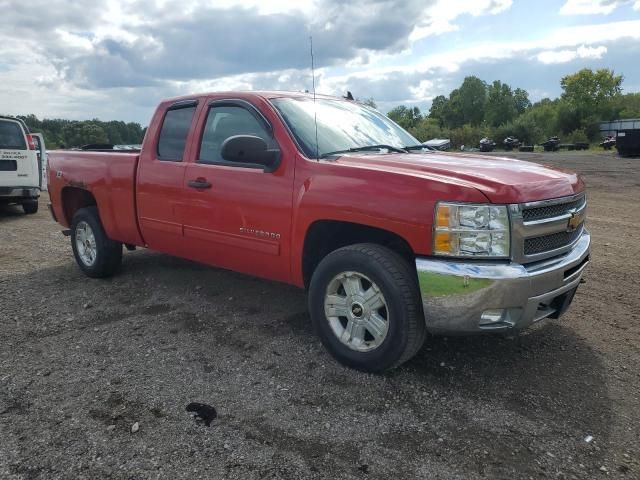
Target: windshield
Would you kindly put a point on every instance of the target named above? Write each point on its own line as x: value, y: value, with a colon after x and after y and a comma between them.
x: 342, y: 125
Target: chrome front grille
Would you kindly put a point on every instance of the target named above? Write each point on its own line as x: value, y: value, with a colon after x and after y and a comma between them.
x: 550, y: 211
x: 553, y: 241
x: 545, y: 229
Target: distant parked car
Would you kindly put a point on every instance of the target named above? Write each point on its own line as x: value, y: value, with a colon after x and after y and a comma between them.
x: 608, y: 142
x: 20, y: 164
x: 442, y: 144
x: 511, y: 143
x: 487, y: 145
x: 551, y: 145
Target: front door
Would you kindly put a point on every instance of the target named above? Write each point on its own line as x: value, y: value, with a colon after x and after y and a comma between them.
x: 235, y: 216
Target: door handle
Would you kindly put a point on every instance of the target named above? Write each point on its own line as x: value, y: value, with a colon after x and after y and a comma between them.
x: 199, y: 183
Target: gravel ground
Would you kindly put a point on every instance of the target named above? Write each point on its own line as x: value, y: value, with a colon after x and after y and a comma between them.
x: 82, y: 361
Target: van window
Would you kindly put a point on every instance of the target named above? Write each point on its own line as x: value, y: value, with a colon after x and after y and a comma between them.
x: 11, y: 136
x: 173, y: 135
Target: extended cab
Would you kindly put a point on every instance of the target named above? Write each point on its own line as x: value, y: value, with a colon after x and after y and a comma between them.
x: 21, y: 161
x: 392, y: 240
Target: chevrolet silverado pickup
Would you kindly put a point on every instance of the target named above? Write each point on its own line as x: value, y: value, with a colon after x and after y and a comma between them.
x: 391, y: 239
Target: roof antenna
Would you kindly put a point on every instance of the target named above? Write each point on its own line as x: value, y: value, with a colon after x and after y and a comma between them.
x: 315, y: 114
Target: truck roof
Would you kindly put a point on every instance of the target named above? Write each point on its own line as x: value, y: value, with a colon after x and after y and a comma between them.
x: 266, y: 94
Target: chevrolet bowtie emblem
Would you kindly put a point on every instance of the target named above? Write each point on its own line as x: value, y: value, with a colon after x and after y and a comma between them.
x: 575, y: 221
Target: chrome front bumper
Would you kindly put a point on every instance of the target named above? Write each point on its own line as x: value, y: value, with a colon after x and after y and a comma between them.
x: 463, y: 297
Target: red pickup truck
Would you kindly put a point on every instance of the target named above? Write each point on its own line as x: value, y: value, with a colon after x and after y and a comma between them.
x: 391, y: 239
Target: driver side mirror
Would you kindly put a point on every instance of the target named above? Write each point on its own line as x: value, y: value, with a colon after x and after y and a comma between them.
x: 250, y: 150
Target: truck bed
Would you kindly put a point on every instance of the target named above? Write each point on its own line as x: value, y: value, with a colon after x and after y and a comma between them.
x: 110, y: 177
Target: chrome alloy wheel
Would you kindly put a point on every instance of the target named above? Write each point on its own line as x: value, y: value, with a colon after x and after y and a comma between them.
x: 357, y: 311
x: 86, y: 243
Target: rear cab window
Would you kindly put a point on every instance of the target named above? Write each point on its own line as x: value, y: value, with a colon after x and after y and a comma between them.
x: 173, y: 134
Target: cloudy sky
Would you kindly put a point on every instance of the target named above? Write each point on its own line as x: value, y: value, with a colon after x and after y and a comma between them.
x: 114, y: 59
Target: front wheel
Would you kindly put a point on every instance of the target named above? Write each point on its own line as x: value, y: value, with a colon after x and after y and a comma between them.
x: 96, y: 254
x: 365, y: 305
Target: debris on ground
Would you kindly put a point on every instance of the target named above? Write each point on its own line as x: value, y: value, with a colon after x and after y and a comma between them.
x: 202, y: 412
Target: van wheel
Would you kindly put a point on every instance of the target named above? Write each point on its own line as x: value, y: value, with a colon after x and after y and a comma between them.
x: 365, y: 306
x: 30, y: 206
x: 96, y: 255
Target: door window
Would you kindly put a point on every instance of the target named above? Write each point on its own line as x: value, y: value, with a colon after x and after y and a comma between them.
x: 173, y: 135
x: 224, y: 122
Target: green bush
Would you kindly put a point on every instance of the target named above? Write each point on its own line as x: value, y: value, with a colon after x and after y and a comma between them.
x: 524, y: 128
x: 467, y: 135
x: 428, y: 128
x: 577, y: 136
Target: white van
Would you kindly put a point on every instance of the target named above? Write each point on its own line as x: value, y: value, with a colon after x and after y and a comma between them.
x: 20, y: 165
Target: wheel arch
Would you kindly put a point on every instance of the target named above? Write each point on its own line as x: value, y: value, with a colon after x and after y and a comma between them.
x: 325, y: 236
x: 75, y: 198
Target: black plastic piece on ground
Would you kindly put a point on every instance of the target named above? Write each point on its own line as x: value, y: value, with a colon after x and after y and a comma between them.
x: 203, y: 412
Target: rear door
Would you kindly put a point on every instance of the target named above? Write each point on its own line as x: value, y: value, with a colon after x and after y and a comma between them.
x: 160, y: 178
x: 18, y: 163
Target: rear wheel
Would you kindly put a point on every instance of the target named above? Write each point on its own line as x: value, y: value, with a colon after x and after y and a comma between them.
x: 96, y: 254
x: 30, y: 206
x: 365, y: 306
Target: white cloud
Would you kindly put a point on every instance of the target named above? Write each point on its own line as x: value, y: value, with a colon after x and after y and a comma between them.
x: 62, y: 66
x: 592, y: 7
x: 402, y: 83
x: 424, y: 89
x: 270, y: 6
x: 440, y: 16
x: 564, y: 56
x: 582, y: 38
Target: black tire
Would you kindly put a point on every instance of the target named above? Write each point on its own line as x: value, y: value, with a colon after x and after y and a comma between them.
x: 30, y: 207
x: 398, y: 283
x: 108, y: 253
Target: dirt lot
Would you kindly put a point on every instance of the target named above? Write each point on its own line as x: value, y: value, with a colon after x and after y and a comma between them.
x: 82, y: 360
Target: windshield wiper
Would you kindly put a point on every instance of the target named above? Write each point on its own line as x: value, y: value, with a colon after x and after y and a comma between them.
x: 365, y: 148
x: 419, y: 147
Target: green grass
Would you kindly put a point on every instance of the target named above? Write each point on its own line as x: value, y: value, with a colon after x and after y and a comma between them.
x: 438, y: 285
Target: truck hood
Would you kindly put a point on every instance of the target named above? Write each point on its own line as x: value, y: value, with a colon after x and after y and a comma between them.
x: 501, y: 180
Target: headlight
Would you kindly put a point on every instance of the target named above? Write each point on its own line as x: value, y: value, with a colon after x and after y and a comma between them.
x: 471, y: 230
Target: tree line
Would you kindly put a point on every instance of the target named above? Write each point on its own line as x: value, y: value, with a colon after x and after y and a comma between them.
x: 60, y: 133
x: 479, y: 109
